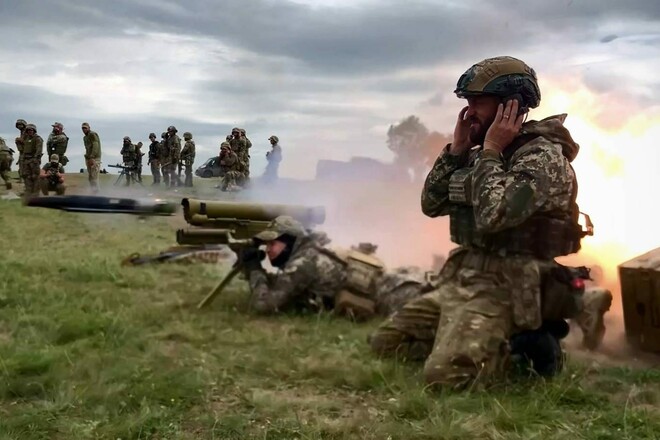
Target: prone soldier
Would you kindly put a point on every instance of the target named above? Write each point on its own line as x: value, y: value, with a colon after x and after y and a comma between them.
x: 51, y: 177
x: 57, y: 143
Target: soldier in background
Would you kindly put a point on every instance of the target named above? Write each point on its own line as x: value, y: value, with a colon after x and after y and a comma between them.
x: 238, y: 145
x: 274, y: 157
x: 6, y: 159
x: 129, y: 158
x: 174, y: 148
x: 153, y: 158
x: 138, y: 161
x: 231, y: 168
x: 164, y: 155
x: 57, y: 143
x: 20, y: 125
x: 51, y: 177
x: 33, y: 148
x: 92, y: 156
x: 248, y: 145
x: 188, y: 158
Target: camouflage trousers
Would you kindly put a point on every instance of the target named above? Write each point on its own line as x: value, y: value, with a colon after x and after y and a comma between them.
x: 165, y: 170
x: 47, y: 185
x: 30, y: 174
x: 5, y: 168
x: 170, y: 176
x: 462, y: 328
x: 93, y: 168
x: 189, y: 174
x: 155, y: 170
x: 232, y: 181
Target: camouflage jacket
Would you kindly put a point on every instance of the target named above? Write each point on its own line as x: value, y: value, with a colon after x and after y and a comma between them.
x: 92, y: 145
x: 229, y: 162
x: 153, y: 151
x: 57, y: 144
x: 173, y: 148
x: 51, y: 169
x: 33, y: 146
x: 239, y: 146
x: 313, y: 276
x: 128, y: 153
x: 539, y: 169
x: 309, y: 278
x: 5, y: 151
x: 188, y: 153
x: 504, y: 191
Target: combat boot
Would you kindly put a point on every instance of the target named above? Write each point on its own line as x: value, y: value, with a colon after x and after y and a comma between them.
x: 596, y: 302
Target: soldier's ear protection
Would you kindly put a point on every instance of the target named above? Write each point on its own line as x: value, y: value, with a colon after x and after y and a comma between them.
x: 522, y: 108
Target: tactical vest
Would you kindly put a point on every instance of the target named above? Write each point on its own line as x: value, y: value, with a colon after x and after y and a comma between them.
x: 543, y: 236
x: 357, y: 296
x: 30, y: 146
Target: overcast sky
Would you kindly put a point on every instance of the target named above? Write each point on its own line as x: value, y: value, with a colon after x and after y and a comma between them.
x: 328, y: 77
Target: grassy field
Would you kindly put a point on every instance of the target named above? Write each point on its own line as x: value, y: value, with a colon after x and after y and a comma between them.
x: 93, y: 350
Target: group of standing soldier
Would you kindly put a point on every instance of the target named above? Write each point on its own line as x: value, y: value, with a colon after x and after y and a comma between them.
x: 30, y: 150
x: 167, y: 158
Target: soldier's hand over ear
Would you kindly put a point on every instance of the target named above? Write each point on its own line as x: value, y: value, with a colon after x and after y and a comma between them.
x: 504, y: 128
x: 461, y: 142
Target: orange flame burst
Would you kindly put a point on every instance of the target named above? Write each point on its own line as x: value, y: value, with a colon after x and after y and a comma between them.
x: 618, y: 171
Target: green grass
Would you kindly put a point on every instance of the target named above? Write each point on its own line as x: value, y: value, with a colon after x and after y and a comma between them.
x: 92, y: 350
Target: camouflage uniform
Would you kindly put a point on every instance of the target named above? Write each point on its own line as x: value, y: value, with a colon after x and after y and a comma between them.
x: 138, y: 161
x: 129, y: 158
x: 6, y: 159
x: 248, y: 145
x: 92, y: 156
x: 238, y: 145
x: 164, y: 158
x: 231, y: 168
x: 274, y: 157
x: 511, y: 214
x: 51, y: 178
x: 33, y: 148
x: 57, y: 143
x: 20, y: 125
x: 188, y: 157
x: 314, y: 278
x: 173, y: 147
x: 153, y: 158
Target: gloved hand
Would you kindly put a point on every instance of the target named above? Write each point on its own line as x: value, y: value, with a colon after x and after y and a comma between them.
x: 250, y: 258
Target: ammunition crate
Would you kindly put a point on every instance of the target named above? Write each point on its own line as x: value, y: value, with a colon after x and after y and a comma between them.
x: 640, y: 295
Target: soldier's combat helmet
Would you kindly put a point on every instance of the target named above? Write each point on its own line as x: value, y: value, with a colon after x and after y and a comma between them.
x: 152, y: 135
x: 127, y: 139
x: 224, y: 145
x: 274, y: 138
x: 505, y: 77
x: 54, y: 158
x: 163, y: 135
x: 20, y: 122
x: 187, y: 135
x: 171, y: 128
x: 58, y: 125
x: 31, y: 127
x: 282, y: 225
